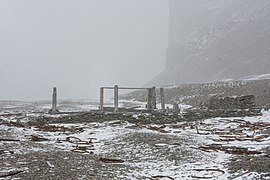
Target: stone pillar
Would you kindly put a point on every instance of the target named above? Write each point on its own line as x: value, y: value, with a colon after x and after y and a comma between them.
x: 154, y: 99
x: 162, y: 100
x: 101, y: 98
x: 54, y: 102
x: 149, y: 100
x: 116, y: 98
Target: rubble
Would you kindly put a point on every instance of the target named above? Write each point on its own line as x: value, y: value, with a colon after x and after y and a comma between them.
x: 230, y: 102
x: 224, y: 106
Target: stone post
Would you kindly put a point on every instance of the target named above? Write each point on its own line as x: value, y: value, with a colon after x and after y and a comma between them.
x: 162, y: 100
x: 116, y: 98
x: 54, y: 102
x: 101, y: 102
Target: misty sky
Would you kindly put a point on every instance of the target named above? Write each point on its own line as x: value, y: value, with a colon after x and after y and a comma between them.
x: 79, y: 45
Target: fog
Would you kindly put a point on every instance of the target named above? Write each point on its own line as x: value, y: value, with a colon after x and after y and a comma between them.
x: 79, y: 45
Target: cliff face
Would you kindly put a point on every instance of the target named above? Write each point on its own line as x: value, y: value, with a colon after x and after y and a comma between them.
x: 213, y: 40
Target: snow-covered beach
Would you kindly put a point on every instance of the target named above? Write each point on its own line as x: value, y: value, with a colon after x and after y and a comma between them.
x: 209, y: 148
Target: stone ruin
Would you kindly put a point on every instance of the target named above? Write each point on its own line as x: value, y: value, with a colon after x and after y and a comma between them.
x: 233, y: 102
x: 225, y: 106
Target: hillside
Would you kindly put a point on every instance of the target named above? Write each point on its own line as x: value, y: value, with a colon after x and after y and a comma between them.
x: 213, y: 40
x: 195, y: 94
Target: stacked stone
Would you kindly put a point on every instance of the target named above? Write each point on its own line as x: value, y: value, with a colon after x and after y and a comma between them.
x: 217, y: 106
x: 235, y: 102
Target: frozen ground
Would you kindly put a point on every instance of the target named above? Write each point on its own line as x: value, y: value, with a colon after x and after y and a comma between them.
x: 209, y: 149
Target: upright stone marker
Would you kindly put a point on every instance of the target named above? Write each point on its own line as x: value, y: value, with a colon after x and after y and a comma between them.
x: 116, y: 98
x: 54, y: 109
x: 162, y: 100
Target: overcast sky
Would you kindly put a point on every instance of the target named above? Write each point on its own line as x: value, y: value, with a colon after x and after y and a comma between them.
x: 79, y: 45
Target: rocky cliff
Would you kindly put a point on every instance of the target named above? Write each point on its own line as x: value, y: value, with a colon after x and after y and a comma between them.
x: 213, y: 40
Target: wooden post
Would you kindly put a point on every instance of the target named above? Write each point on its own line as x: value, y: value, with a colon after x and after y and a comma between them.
x: 154, y: 99
x: 54, y: 99
x: 116, y: 98
x: 149, y: 99
x: 101, y: 103
x: 167, y: 110
x: 176, y: 109
x: 162, y: 100
x: 54, y: 102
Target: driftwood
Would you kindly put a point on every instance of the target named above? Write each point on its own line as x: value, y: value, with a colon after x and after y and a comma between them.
x: 81, y: 146
x: 11, y: 123
x: 106, y: 160
x: 73, y: 139
x: 159, y: 129
x: 210, y: 170
x: 4, y: 151
x: 16, y: 140
x: 182, y: 126
x: 49, y: 164
x: 11, y: 114
x: 1, y: 139
x: 241, y: 152
x: 82, y: 151
x: 207, y: 170
x: 198, y: 132
x: 12, y: 173
x: 159, y: 177
x: 53, y: 128
x: 227, y: 149
x: 36, y: 138
x: 91, y: 140
x: 252, y: 126
x: 238, y: 133
x: 202, y: 177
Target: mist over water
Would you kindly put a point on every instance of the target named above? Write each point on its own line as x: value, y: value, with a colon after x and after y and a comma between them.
x: 79, y: 46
